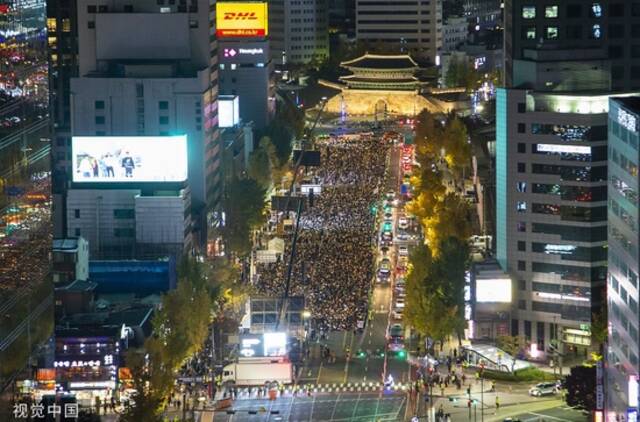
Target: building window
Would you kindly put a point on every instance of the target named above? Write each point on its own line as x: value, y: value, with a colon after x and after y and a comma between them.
x: 522, y: 147
x: 66, y: 25
x: 77, y: 231
x: 124, y: 214
x: 522, y: 266
x: 574, y: 32
x: 616, y: 10
x: 99, y: 105
x: 522, y: 284
x: 521, y: 206
x: 522, y: 128
x: 527, y: 330
x: 91, y: 24
x: 522, y: 304
x: 522, y: 246
x: 522, y: 187
x: 574, y: 10
x: 616, y: 31
x: 163, y: 105
x: 635, y: 9
x: 99, y: 120
x: 615, y: 51
x: 551, y: 11
x: 521, y: 226
x: 91, y: 9
x: 123, y: 232
x: 193, y: 23
x: 163, y: 120
x: 522, y: 107
x: 528, y: 12
x: 529, y: 33
x: 596, y: 10
x: 522, y: 167
x: 76, y: 213
x: 551, y: 32
x: 596, y: 32
x: 128, y: 8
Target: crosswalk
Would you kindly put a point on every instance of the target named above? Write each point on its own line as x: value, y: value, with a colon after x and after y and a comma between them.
x: 306, y: 389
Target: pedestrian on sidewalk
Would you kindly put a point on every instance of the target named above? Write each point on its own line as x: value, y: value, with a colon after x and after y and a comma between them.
x: 497, y: 403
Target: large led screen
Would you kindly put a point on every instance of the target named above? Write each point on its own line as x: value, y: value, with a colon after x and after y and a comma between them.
x: 497, y: 290
x: 129, y: 158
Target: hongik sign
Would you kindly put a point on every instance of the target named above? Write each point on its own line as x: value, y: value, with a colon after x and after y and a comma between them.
x: 241, y: 20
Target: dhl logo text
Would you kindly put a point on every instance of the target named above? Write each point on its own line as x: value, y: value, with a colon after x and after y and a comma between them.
x: 240, y: 16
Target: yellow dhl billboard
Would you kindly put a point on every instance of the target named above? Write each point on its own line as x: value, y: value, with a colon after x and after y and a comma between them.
x: 241, y: 19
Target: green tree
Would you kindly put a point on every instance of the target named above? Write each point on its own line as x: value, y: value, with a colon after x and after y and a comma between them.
x: 581, y: 388
x: 456, y: 144
x: 600, y: 328
x: 436, y: 306
x: 510, y: 344
x: 259, y: 168
x: 452, y: 75
x: 177, y: 335
x: 244, y: 205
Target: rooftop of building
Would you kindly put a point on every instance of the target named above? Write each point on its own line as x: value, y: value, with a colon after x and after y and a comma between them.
x: 132, y: 276
x: 631, y: 103
x: 354, y: 78
x: 381, y: 62
x: 65, y: 245
x: 103, y: 322
x: 79, y: 286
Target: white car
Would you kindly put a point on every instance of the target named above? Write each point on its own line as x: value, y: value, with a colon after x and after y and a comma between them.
x: 403, y: 223
x: 403, y: 250
x: 399, y: 303
x: 397, y: 314
x: 402, y: 236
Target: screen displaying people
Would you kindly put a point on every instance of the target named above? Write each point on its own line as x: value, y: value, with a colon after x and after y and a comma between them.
x: 130, y: 159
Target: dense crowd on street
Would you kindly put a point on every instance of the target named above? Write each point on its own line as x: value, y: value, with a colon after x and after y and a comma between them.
x: 333, y: 261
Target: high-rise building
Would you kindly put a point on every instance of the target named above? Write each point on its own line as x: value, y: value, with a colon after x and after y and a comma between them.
x: 407, y: 26
x: 622, y: 366
x: 485, y: 13
x: 62, y: 39
x: 299, y: 31
x: 570, y: 33
x: 150, y: 69
x: 246, y: 70
x: 562, y: 63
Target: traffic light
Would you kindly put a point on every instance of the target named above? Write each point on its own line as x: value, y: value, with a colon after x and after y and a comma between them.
x: 402, y: 354
x: 469, y: 403
x: 361, y: 354
x: 374, y: 209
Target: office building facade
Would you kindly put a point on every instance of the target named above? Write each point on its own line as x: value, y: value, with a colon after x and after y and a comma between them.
x: 131, y: 223
x: 147, y: 68
x: 409, y: 26
x: 563, y: 28
x: 624, y: 261
x: 563, y: 60
x: 551, y: 163
x: 299, y: 31
x: 246, y: 70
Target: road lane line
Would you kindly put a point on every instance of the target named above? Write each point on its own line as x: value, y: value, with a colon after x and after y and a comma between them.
x: 549, y: 417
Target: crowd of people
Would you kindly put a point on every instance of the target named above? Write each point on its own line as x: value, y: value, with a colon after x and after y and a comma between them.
x: 333, y: 267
